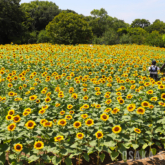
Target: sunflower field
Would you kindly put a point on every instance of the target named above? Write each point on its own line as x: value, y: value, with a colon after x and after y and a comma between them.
x: 61, y: 102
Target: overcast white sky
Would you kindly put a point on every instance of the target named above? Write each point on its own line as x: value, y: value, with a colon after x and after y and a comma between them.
x: 127, y: 10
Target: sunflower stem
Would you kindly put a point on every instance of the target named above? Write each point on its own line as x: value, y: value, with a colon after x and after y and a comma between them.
x: 79, y: 158
x: 98, y: 158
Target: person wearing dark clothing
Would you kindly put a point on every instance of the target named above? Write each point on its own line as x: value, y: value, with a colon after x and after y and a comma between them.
x: 153, y: 70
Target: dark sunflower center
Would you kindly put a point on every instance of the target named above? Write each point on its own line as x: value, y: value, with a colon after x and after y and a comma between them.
x: 116, y: 128
x: 12, y: 126
x: 145, y: 104
x: 104, y: 117
x: 140, y: 110
x: 38, y: 144
x: 137, y: 130
x: 9, y: 117
x: 79, y: 135
x: 62, y: 122
x: 16, y: 118
x: 89, y: 122
x: 99, y: 134
x: 18, y: 147
x: 77, y: 124
x: 30, y: 124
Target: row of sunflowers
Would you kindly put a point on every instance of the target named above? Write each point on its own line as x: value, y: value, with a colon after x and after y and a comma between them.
x: 58, y: 102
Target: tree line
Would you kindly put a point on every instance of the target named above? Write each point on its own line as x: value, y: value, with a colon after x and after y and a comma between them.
x: 43, y: 22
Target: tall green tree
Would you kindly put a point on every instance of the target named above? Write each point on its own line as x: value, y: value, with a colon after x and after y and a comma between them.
x: 154, y: 39
x: 69, y: 28
x: 98, y: 21
x: 41, y: 12
x: 12, y: 21
x: 158, y: 26
x: 142, y: 23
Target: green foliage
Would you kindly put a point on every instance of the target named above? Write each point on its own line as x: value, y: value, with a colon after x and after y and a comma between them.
x: 125, y: 39
x: 122, y: 31
x: 110, y: 37
x: 43, y: 37
x: 101, y: 22
x: 158, y: 26
x: 41, y: 13
x: 11, y: 21
x: 155, y: 39
x: 69, y: 28
x: 137, y: 35
x: 142, y: 23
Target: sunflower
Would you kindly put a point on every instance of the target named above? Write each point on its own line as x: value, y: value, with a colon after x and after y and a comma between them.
x: 80, y: 135
x: 58, y: 138
x: 150, y: 92
x: 115, y: 110
x: 42, y: 111
x: 85, y: 89
x: 122, y: 87
x: 85, y: 97
x: 108, y: 101
x: 153, y: 99
x: 71, y: 112
x: 116, y: 129
x: 30, y: 124
x: 38, y: 145
x: 45, y: 107
x: 74, y: 95
x: 11, y: 112
x: 47, y: 124
x: 163, y: 96
x: 18, y: 147
x: 47, y: 99
x: 86, y: 106
x: 98, y: 93
x: 107, y: 110
x: 33, y: 97
x: 9, y: 117
x: 62, y: 122
x: 161, y: 86
x: 11, y: 127
x: 71, y: 90
x: 27, y: 110
x: 119, y: 98
x: 62, y: 112
x: 145, y: 104
x: 77, y: 124
x: 104, y: 117
x: 89, y: 122
x: 118, y: 93
x: 99, y: 134
x: 129, y: 96
x: 10, y: 85
x: 69, y: 106
x: 121, y: 101
x: 11, y: 93
x: 137, y: 130
x: 140, y: 110
x: 69, y: 117
x: 131, y: 107
x: 84, y: 116
x: 42, y: 121
x: 16, y: 118
x: 57, y: 104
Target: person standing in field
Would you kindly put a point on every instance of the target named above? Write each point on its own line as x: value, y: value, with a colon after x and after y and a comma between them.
x: 153, y: 70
